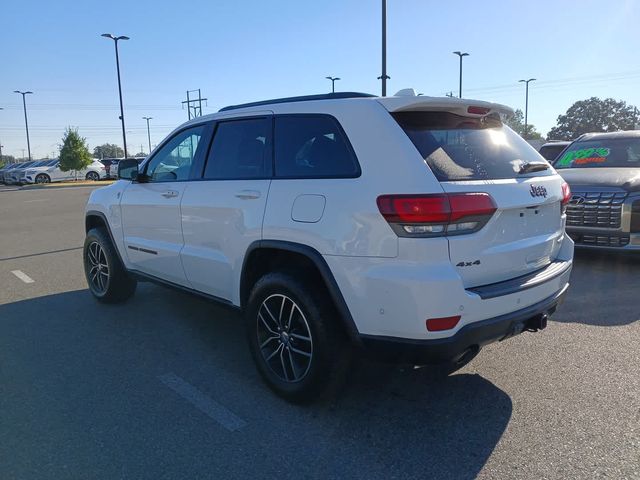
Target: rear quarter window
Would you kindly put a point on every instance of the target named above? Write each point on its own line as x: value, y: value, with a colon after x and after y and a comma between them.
x: 312, y: 146
x: 460, y: 148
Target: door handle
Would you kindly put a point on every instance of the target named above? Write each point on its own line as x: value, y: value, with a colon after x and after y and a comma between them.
x: 170, y: 194
x: 248, y: 194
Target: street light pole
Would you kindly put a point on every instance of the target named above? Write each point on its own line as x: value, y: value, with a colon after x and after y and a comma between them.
x: 384, y: 77
x: 460, y: 54
x: 148, y: 131
x: 526, y: 104
x: 26, y: 122
x: 115, y: 41
x: 1, y: 143
x: 333, y: 83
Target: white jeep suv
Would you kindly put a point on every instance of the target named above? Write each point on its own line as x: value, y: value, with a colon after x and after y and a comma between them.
x: 416, y: 229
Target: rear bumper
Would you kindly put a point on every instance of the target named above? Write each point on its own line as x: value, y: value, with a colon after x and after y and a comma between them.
x: 471, y: 336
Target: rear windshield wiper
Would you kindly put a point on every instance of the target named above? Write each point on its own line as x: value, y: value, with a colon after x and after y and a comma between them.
x: 529, y: 167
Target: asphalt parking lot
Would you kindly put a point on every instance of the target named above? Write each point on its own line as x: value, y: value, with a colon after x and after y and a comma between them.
x: 164, y: 387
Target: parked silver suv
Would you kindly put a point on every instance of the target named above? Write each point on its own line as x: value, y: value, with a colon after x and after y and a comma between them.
x: 603, y: 170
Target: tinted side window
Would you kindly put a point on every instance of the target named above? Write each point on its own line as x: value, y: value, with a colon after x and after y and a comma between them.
x: 312, y: 146
x: 240, y: 150
x: 173, y: 161
x: 551, y: 152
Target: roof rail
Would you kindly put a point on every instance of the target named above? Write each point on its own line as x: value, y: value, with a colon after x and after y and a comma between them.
x: 304, y: 98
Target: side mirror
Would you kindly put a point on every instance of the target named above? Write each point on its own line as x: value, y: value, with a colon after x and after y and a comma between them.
x: 128, y: 169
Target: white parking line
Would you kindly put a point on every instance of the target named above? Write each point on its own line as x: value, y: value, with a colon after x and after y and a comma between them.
x: 23, y: 276
x: 37, y: 200
x: 202, y: 402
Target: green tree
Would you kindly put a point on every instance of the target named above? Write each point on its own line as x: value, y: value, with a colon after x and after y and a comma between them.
x: 74, y: 154
x: 141, y: 154
x: 516, y: 122
x: 108, y: 150
x: 7, y: 159
x: 594, y: 115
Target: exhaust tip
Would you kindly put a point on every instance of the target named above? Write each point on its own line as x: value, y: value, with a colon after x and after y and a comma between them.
x: 466, y: 356
x: 543, y: 321
x: 537, y: 323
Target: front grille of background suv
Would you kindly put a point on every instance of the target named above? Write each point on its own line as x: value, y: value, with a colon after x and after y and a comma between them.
x: 595, y: 209
x: 600, y: 240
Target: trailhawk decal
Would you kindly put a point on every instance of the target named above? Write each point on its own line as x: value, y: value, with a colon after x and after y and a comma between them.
x: 584, y: 156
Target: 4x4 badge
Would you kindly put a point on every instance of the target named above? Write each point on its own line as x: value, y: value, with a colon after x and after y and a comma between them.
x: 538, y: 191
x: 467, y: 264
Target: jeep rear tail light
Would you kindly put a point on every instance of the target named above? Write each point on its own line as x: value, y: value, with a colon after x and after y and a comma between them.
x: 566, y: 195
x: 436, y: 215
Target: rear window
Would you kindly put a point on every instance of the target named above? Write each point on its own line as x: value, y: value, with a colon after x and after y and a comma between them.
x: 611, y: 152
x: 240, y: 150
x: 464, y: 148
x: 312, y: 146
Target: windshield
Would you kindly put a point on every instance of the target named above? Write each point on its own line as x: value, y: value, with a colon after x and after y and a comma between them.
x: 464, y: 148
x: 607, y: 152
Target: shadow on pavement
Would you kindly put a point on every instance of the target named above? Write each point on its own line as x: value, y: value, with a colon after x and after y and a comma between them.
x: 405, y: 423
x: 604, y: 289
x: 82, y: 396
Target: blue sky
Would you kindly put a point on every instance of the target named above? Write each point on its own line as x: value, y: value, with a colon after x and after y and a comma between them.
x: 245, y: 50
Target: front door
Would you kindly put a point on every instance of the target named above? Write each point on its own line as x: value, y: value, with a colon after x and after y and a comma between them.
x: 151, y: 207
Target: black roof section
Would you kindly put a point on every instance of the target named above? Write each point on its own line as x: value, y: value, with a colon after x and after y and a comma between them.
x: 304, y: 98
x: 605, y: 135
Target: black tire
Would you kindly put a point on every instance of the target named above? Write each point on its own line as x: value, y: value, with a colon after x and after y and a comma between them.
x: 330, y: 351
x: 92, y: 176
x: 42, y: 178
x: 109, y: 282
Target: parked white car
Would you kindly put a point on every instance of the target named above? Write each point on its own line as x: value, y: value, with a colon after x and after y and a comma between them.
x: 12, y: 174
x: 6, y: 169
x: 418, y: 229
x: 49, y: 171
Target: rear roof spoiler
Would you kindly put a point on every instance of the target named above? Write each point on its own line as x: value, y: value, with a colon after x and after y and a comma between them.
x: 458, y: 106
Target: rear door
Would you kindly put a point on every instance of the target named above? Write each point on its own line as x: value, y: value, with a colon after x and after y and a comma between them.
x: 480, y: 154
x: 222, y: 214
x: 150, y: 209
